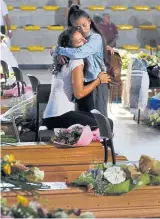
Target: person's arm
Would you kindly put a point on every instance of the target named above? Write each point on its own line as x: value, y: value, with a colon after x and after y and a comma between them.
x: 92, y: 46
x: 113, y: 42
x: 80, y: 90
x: 4, y: 11
x: 8, y: 24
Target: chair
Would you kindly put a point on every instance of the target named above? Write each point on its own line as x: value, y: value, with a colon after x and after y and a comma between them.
x: 105, y: 134
x: 5, y: 70
x: 34, y: 82
x: 19, y: 79
x: 43, y: 92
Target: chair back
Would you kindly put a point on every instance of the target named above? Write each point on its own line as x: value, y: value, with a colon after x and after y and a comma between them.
x: 42, y: 96
x: 19, y: 79
x: 18, y: 74
x: 5, y: 70
x: 103, y: 125
x: 34, y: 82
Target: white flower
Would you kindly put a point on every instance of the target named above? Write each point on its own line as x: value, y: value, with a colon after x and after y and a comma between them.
x: 115, y: 175
x: 2, y: 132
x: 39, y: 174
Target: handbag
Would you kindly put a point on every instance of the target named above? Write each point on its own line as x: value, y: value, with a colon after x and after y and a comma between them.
x: 154, y: 75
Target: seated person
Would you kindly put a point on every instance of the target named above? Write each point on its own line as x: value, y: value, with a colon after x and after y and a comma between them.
x: 67, y: 79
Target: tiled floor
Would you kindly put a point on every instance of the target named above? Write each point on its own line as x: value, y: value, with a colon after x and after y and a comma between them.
x: 130, y: 139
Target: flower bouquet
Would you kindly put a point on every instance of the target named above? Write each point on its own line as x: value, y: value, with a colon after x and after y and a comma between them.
x: 154, y: 119
x: 15, y: 175
x: 32, y: 209
x: 75, y: 136
x: 107, y: 179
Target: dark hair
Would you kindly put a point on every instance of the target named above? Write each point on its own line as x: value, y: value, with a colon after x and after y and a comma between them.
x: 70, y: 3
x: 74, y: 14
x: 65, y: 40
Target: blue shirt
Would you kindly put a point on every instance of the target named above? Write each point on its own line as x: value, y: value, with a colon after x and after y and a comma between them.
x: 92, y: 50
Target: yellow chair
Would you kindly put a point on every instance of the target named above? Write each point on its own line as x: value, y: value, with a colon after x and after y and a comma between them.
x: 148, y: 47
x: 157, y: 7
x: 130, y: 47
x: 34, y: 27
x: 55, y: 27
x: 51, y: 7
x: 15, y: 48
x: 10, y: 7
x: 28, y: 7
x: 96, y: 8
x: 141, y: 8
x: 147, y: 27
x: 119, y: 8
x: 35, y: 48
x: 125, y: 27
x: 13, y: 27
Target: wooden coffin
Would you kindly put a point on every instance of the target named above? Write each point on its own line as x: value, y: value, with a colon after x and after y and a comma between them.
x: 143, y: 202
x: 50, y: 155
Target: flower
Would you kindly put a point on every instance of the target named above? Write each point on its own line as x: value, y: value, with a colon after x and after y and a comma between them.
x: 22, y: 200
x: 115, y: 175
x: 10, y: 158
x: 7, y: 169
x: 36, y: 175
x: 39, y: 174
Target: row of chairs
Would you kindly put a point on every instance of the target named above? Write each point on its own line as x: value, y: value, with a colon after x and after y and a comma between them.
x: 38, y: 48
x: 31, y: 27
x: 19, y: 78
x: 91, y: 7
x: 18, y: 75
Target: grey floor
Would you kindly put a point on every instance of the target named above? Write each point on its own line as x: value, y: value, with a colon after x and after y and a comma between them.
x: 130, y: 139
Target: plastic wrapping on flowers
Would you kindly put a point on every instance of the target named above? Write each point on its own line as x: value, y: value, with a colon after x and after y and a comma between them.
x: 106, y: 179
x: 76, y: 135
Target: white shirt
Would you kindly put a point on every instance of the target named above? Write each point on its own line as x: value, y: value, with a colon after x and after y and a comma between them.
x: 7, y: 56
x: 4, y: 11
x: 61, y: 91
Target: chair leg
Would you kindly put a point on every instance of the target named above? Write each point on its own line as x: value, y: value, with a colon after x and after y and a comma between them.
x: 112, y: 152
x: 139, y: 114
x: 19, y: 93
x: 105, y: 150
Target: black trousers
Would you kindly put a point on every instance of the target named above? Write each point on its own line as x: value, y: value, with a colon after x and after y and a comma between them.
x: 3, y: 30
x: 72, y: 118
x: 97, y: 99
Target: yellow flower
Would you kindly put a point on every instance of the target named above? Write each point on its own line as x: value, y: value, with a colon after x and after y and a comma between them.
x: 7, y: 169
x: 22, y: 200
x: 9, y: 158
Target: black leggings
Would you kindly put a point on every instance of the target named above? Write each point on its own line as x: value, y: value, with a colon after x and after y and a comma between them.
x: 72, y: 118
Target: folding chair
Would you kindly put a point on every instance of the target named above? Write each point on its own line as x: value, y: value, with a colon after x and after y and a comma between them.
x: 105, y: 134
x: 34, y: 82
x: 5, y: 70
x: 43, y: 92
x: 19, y: 79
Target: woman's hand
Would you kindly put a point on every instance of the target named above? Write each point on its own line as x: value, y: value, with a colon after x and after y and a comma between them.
x: 110, y: 49
x: 104, y: 78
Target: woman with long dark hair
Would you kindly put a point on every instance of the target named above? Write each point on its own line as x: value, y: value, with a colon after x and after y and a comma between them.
x: 94, y: 50
x: 67, y: 79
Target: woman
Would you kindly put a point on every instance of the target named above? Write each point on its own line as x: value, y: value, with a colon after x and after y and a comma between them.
x: 94, y: 51
x: 67, y: 79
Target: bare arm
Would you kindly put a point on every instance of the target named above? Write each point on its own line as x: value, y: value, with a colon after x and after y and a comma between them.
x: 8, y: 24
x: 77, y: 82
x: 80, y: 90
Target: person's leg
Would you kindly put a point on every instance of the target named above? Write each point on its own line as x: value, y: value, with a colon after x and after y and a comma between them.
x: 68, y: 119
x: 100, y: 96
